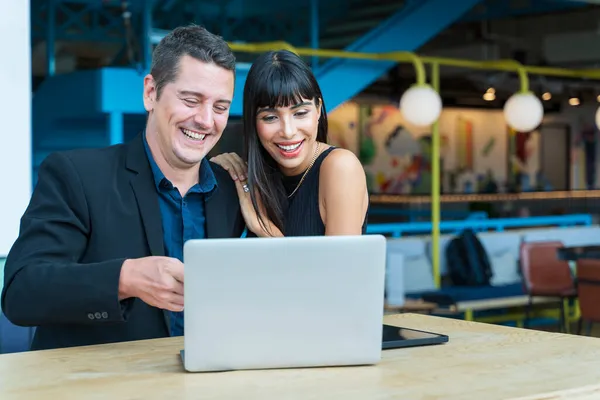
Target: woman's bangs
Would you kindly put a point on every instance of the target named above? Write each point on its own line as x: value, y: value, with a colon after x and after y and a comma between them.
x: 282, y: 88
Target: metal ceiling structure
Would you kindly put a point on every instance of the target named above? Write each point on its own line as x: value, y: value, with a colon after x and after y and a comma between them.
x: 95, y: 52
x: 70, y: 35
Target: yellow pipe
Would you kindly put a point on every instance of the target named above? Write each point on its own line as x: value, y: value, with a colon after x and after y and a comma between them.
x: 435, y: 184
x: 407, y: 56
x: 396, y: 56
x: 263, y: 47
x: 500, y: 65
x: 518, y: 67
x: 509, y: 65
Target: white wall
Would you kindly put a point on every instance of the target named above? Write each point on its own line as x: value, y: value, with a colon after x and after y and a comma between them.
x: 15, y: 114
x: 579, y: 118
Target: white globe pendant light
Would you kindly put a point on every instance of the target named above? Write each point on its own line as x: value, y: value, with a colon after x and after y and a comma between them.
x: 421, y: 105
x: 598, y: 118
x: 523, y: 111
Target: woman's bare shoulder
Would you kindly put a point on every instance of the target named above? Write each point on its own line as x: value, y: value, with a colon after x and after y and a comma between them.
x: 340, y: 166
x: 341, y: 161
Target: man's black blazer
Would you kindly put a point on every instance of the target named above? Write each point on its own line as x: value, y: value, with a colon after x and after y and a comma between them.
x: 90, y: 210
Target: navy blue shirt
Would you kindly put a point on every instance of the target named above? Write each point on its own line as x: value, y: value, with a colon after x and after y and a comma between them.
x: 183, y: 218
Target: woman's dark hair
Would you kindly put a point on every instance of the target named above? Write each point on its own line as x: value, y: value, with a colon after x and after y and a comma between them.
x: 276, y: 79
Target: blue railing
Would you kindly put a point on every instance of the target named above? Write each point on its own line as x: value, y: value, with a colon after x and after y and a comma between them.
x: 493, y: 224
x: 414, y: 215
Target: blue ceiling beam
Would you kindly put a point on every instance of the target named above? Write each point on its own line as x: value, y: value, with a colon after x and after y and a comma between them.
x: 340, y: 80
x: 407, y: 30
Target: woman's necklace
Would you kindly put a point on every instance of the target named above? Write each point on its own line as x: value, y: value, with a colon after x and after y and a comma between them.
x: 308, y: 169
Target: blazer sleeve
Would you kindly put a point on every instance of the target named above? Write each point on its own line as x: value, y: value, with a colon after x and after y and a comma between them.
x: 44, y: 279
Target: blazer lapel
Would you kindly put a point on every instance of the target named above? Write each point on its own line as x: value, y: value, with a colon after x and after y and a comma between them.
x: 217, y: 221
x: 150, y: 212
x: 145, y: 193
x: 222, y: 208
x: 144, y: 190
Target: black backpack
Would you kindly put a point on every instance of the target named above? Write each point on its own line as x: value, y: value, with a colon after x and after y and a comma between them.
x: 467, y: 261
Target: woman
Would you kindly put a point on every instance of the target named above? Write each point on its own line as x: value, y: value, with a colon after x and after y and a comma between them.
x: 297, y: 184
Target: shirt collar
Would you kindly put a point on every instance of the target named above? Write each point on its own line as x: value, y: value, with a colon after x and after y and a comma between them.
x: 206, y: 183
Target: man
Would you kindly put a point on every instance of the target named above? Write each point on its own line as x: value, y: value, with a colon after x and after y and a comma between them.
x: 99, y: 254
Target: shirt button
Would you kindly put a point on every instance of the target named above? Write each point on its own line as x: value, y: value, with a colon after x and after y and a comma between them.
x: 98, y: 315
x: 91, y: 316
x: 104, y: 315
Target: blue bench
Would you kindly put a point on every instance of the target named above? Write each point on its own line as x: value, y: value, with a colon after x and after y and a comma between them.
x: 414, y: 254
x: 13, y: 339
x: 455, y: 294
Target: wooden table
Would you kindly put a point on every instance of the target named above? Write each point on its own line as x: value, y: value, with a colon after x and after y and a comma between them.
x: 480, y: 362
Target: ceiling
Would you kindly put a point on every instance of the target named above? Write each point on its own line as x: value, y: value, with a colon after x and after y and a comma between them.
x: 98, y: 33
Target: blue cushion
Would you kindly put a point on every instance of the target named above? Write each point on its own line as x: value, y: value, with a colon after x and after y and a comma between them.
x: 13, y: 338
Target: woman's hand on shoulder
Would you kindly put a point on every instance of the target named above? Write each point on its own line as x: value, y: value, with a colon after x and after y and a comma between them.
x: 232, y: 163
x: 238, y: 170
x: 343, y: 192
x: 249, y: 213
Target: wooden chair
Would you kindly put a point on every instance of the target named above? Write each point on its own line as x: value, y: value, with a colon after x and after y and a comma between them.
x: 545, y: 275
x: 588, y: 290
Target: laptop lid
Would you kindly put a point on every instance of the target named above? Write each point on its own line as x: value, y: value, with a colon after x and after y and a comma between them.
x: 283, y: 302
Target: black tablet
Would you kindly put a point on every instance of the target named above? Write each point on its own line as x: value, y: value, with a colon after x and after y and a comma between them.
x: 395, y: 337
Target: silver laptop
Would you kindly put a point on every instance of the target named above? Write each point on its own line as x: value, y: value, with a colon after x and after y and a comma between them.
x: 259, y: 303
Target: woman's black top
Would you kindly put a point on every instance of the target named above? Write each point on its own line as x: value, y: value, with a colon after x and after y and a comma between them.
x: 302, y: 217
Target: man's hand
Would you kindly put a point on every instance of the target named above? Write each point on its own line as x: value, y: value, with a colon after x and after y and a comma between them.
x: 157, y: 281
